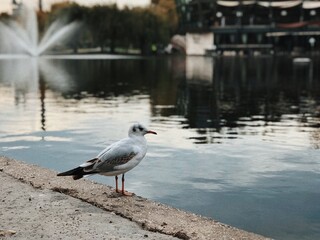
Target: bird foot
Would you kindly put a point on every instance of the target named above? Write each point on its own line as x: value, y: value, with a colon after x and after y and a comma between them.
x: 125, y: 193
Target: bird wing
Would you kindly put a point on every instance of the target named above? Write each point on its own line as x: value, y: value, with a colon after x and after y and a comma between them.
x: 89, y: 165
x: 115, y: 155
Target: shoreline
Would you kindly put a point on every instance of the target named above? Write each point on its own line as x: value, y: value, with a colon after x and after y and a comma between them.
x: 153, y: 217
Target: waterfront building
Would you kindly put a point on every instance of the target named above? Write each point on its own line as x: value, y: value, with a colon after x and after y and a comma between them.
x: 250, y: 25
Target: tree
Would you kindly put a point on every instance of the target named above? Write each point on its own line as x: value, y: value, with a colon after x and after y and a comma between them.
x: 109, y: 26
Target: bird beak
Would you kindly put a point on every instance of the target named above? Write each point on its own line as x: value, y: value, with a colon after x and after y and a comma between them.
x: 152, y: 132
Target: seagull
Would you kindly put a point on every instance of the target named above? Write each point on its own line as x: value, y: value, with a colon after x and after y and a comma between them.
x: 116, y: 159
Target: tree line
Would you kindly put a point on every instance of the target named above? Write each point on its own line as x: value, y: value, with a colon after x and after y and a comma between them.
x: 114, y: 30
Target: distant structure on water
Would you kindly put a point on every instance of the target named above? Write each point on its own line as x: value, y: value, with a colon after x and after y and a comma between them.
x: 248, y: 26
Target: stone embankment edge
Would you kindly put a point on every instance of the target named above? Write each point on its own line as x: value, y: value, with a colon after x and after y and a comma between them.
x: 152, y: 216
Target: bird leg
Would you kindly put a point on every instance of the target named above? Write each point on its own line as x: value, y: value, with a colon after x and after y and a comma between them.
x: 117, y: 189
x: 125, y: 193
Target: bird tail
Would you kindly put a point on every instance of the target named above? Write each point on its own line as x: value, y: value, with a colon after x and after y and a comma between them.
x: 83, y: 170
x: 76, y: 173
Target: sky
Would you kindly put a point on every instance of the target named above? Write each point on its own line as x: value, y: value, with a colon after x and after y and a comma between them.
x: 6, y: 5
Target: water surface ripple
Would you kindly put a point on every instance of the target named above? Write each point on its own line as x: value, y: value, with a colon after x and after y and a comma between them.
x: 238, y: 137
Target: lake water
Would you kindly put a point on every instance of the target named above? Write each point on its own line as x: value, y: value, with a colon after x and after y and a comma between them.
x: 238, y: 138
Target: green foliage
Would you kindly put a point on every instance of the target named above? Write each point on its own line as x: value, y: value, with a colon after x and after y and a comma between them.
x: 110, y: 27
x: 67, y: 12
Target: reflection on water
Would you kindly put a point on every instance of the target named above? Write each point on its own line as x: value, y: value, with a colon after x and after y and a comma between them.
x: 238, y: 137
x: 253, y: 95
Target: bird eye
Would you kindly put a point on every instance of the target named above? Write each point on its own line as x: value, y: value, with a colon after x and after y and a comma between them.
x: 140, y: 128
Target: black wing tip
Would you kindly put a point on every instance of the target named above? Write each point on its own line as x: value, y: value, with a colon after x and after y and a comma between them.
x: 75, y: 171
x: 75, y: 177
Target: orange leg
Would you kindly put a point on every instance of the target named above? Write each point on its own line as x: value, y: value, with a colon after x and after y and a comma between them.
x: 125, y: 193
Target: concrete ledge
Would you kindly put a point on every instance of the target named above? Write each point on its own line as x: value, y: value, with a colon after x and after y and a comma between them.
x: 151, y: 216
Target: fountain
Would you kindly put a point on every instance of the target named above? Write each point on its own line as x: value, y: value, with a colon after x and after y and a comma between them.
x: 20, y: 36
x: 22, y: 56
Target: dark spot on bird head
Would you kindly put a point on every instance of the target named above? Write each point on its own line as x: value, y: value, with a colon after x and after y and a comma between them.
x: 137, y: 129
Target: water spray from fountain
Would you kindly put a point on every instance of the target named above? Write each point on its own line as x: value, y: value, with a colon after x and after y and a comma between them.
x: 20, y: 36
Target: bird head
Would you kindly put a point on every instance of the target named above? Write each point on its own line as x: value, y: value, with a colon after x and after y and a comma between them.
x: 138, y: 129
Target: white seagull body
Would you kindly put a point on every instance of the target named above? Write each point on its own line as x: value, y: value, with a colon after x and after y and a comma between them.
x: 116, y: 159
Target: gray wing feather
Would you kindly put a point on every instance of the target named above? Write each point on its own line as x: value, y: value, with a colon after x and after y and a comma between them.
x: 114, y: 156
x: 119, y: 160
x: 110, y: 164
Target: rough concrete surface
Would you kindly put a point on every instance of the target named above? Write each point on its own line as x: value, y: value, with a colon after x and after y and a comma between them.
x: 36, y: 204
x: 31, y: 213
